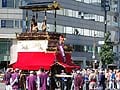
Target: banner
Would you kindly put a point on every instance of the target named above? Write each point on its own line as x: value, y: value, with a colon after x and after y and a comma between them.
x: 32, y: 46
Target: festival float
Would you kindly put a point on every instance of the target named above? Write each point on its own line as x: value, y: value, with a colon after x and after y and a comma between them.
x: 35, y: 50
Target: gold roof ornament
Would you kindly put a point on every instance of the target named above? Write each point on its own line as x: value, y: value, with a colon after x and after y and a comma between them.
x: 55, y: 5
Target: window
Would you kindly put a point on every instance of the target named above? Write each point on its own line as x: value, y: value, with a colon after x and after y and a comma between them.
x: 82, y: 48
x: 115, y: 18
x: 10, y: 3
x: 90, y: 48
x: 68, y: 12
x: 92, y: 17
x: 69, y: 30
x: 101, y: 18
x: 21, y: 23
x: 80, y: 0
x: 16, y: 23
x: 86, y: 1
x: 81, y: 31
x: 7, y: 3
x: 59, y: 29
x: 12, y: 24
x: 75, y: 14
x: 81, y: 15
x: 65, y: 12
x: 60, y: 12
x: 95, y: 2
x: 5, y: 47
x: 17, y: 3
x: 4, y: 3
x: 86, y: 16
x: 115, y: 2
x: 51, y: 27
x: 6, y: 23
x: 78, y: 48
x: 9, y: 23
x: 86, y: 32
x: 3, y: 23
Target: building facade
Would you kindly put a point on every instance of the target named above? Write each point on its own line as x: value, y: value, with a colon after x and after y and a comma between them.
x: 83, y: 22
x: 11, y: 19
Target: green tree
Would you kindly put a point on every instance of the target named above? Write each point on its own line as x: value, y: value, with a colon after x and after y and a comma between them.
x: 106, y: 53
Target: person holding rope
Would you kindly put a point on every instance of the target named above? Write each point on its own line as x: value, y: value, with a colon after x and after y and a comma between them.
x: 14, y: 81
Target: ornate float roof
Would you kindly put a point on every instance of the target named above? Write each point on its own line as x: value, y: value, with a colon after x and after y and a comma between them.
x: 41, y: 6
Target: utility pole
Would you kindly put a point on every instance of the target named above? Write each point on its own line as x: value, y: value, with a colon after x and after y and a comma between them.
x: 105, y: 22
x: 106, y: 7
x: 94, y: 47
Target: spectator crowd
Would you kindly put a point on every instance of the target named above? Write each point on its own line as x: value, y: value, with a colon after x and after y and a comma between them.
x: 84, y: 79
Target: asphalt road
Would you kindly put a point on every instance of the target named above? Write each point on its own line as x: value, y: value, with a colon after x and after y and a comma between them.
x: 2, y: 86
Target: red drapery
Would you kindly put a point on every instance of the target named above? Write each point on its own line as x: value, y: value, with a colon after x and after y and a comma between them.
x: 37, y: 60
x: 34, y: 60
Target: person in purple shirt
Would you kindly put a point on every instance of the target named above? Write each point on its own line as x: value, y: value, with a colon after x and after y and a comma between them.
x: 6, y: 79
x: 31, y: 81
x: 43, y: 79
x: 15, y: 80
x: 78, y: 81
